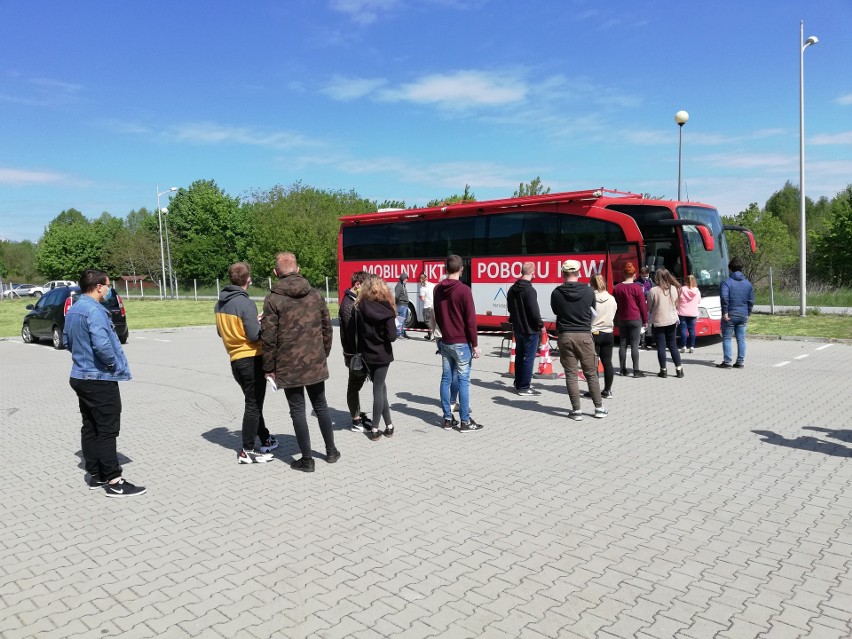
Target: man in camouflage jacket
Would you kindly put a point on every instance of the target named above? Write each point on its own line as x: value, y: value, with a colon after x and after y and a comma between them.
x: 296, y: 334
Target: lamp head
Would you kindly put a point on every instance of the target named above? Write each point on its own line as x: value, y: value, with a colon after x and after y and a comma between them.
x: 174, y: 188
x: 810, y: 41
x: 681, y: 117
x: 164, y: 210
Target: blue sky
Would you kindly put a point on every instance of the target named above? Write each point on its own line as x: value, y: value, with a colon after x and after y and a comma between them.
x: 101, y: 102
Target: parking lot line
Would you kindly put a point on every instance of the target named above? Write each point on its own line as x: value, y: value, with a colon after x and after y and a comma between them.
x: 802, y: 356
x: 780, y: 364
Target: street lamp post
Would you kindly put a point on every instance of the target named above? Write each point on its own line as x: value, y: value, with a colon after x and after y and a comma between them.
x: 172, y: 278
x: 681, y: 118
x: 162, y: 251
x: 803, y: 296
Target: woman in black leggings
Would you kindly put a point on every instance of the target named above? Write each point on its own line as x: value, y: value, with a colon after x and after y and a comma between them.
x: 602, y: 325
x: 376, y: 321
x: 631, y: 315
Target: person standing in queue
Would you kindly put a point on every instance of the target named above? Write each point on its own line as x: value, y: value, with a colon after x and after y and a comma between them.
x: 630, y: 316
x: 401, y: 298
x: 455, y: 316
x: 296, y: 333
x: 574, y: 304
x: 376, y: 317
x: 98, y: 363
x: 662, y: 310
x: 360, y: 422
x: 525, y: 316
x: 602, y: 325
x: 687, y: 312
x: 737, y: 297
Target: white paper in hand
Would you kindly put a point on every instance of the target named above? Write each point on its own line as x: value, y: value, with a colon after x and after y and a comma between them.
x: 272, y: 384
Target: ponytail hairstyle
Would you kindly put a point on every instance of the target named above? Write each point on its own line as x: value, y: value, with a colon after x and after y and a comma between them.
x: 597, y: 282
x: 691, y: 282
x: 665, y: 280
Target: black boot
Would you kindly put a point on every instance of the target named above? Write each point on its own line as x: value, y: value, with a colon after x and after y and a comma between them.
x: 663, y: 373
x: 680, y: 371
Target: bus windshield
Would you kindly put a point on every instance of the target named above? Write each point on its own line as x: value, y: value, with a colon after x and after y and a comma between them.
x: 709, y: 267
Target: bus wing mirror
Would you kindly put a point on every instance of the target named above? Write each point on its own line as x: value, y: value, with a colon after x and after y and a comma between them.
x: 752, y: 244
x: 707, y: 238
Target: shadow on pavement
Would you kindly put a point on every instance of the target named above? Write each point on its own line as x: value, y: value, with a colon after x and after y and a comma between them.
x: 531, y: 405
x: 421, y: 399
x: 430, y: 418
x: 840, y: 435
x: 810, y: 443
x: 233, y: 440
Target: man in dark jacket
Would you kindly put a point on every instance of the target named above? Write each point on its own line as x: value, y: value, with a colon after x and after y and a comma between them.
x: 360, y: 422
x: 296, y: 334
x: 455, y: 316
x: 737, y: 298
x: 526, y: 322
x: 238, y: 326
x: 574, y: 305
x: 400, y: 293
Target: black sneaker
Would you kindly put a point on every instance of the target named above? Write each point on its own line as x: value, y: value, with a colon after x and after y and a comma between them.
x: 606, y: 394
x: 738, y: 365
x: 388, y: 432
x: 470, y: 427
x: 305, y: 464
x: 623, y: 372
x: 724, y: 365
x: 123, y: 488
x: 449, y: 424
x: 95, y: 483
x: 332, y: 456
x: 679, y: 371
x: 374, y: 435
x: 529, y: 392
x: 638, y: 373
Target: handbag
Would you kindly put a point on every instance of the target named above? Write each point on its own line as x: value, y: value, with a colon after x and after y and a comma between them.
x: 356, y: 363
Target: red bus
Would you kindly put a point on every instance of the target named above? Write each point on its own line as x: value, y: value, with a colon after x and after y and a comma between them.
x: 603, y: 229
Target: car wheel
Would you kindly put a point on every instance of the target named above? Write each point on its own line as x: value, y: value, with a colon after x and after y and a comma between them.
x: 123, y: 338
x: 57, y: 338
x: 37, y: 294
x: 26, y: 335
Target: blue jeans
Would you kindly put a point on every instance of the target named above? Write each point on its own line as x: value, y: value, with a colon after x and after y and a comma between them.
x: 402, y: 311
x: 455, y: 374
x: 687, y: 327
x: 525, y: 351
x: 736, y: 325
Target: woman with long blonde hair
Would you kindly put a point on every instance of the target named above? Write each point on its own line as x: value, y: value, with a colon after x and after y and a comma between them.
x: 687, y: 311
x: 662, y: 310
x: 602, y: 325
x: 375, y: 315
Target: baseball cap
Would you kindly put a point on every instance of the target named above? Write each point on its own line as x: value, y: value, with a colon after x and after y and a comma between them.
x: 570, y: 265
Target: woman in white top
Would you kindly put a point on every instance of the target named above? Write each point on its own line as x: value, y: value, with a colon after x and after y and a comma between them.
x: 662, y: 312
x: 605, y: 307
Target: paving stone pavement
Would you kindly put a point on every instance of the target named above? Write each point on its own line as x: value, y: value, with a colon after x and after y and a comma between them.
x: 718, y: 505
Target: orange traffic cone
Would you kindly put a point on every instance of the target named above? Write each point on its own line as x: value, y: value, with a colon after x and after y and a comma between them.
x: 511, y: 372
x: 545, y: 366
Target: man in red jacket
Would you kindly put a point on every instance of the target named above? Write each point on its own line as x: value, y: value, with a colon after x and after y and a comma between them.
x: 456, y: 319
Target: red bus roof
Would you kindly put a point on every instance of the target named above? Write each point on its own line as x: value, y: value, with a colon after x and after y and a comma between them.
x: 590, y: 195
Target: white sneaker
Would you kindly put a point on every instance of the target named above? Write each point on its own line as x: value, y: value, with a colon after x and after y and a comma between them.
x: 253, y: 457
x: 601, y: 412
x: 691, y: 350
x: 576, y: 415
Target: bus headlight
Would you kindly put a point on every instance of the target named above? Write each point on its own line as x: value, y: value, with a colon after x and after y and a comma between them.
x: 702, y: 313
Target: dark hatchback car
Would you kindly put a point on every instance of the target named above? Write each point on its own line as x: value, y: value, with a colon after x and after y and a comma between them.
x: 46, y: 318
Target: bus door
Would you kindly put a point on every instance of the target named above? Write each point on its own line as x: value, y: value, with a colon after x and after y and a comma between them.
x: 617, y: 256
x: 467, y: 271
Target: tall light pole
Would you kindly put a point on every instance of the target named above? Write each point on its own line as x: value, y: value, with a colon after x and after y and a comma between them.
x: 681, y: 118
x: 162, y: 251
x: 803, y: 44
x: 172, y: 282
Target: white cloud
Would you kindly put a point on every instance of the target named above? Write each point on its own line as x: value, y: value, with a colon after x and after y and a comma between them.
x: 751, y: 160
x: 845, y: 100
x: 460, y: 90
x: 346, y: 89
x: 20, y: 177
x: 364, y: 12
x: 832, y: 138
x: 211, y: 133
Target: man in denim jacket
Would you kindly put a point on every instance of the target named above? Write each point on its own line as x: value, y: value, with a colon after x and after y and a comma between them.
x: 97, y: 365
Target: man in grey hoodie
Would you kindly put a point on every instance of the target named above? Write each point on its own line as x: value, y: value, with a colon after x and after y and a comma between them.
x: 574, y: 306
x: 400, y: 293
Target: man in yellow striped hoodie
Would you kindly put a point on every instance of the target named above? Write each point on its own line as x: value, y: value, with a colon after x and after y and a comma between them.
x: 238, y: 325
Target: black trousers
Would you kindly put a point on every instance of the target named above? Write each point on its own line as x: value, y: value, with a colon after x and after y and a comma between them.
x: 296, y: 400
x: 666, y: 337
x: 353, y: 388
x: 248, y: 372
x: 603, y: 348
x: 381, y: 408
x: 100, y: 408
x: 628, y: 333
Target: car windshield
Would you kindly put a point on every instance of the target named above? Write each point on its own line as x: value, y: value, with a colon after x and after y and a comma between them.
x: 709, y: 267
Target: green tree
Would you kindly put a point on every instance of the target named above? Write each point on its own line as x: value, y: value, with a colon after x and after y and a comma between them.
x: 71, y: 244
x: 775, y: 246
x: 533, y: 188
x: 208, y: 231
x: 304, y: 220
x: 785, y: 206
x: 833, y: 248
x: 467, y: 196
x: 391, y: 204
x: 18, y: 261
x: 135, y: 248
